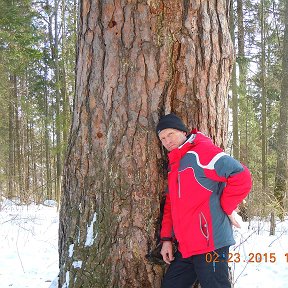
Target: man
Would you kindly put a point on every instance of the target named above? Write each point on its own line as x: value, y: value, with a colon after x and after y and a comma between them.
x: 205, y: 186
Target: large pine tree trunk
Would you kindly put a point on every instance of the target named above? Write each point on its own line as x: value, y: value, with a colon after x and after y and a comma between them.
x: 136, y: 61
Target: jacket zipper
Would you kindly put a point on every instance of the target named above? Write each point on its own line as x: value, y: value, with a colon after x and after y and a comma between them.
x: 179, y: 186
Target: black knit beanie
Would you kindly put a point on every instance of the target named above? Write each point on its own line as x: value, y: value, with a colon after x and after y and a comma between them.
x: 170, y: 121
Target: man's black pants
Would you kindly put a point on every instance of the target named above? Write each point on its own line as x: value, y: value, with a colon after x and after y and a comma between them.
x: 211, y: 269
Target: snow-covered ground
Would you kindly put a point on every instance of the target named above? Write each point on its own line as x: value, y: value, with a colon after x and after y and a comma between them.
x: 263, y: 263
x: 28, y: 245
x: 29, y: 256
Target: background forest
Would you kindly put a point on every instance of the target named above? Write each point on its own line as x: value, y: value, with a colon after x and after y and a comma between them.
x: 37, y: 70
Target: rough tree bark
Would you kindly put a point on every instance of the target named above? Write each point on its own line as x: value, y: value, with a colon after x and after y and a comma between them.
x: 136, y: 60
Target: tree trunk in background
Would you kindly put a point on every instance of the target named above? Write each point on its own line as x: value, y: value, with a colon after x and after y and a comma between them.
x: 25, y: 138
x: 263, y: 100
x: 58, y: 96
x: 33, y: 159
x: 41, y: 195
x: 17, y: 145
x: 27, y: 157
x: 280, y: 190
x: 64, y: 95
x: 48, y: 177
x: 11, y: 164
x: 242, y: 63
x: 136, y: 61
x: 234, y: 89
x: 242, y: 154
x: 53, y: 31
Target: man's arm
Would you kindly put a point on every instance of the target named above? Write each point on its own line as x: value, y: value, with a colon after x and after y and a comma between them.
x: 238, y: 186
x: 167, y: 225
x: 166, y: 232
x: 238, y: 182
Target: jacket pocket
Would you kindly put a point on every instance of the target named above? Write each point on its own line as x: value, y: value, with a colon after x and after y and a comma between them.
x: 204, y: 227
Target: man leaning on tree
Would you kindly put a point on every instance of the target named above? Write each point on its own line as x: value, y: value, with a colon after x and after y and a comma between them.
x: 205, y: 186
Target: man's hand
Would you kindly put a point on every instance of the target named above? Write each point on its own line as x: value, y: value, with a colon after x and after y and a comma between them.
x: 233, y: 220
x: 167, y: 252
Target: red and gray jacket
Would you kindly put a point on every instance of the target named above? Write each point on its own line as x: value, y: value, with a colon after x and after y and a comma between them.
x: 204, y: 186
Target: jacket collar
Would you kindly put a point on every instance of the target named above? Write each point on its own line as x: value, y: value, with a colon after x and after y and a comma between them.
x: 177, y: 153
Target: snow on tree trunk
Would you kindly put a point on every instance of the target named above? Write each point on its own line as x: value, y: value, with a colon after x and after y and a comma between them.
x: 136, y: 61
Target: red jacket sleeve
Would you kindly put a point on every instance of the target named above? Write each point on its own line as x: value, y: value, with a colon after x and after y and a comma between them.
x: 238, y: 181
x: 167, y: 226
x: 237, y: 188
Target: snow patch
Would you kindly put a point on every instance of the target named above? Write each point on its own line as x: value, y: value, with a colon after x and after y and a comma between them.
x: 66, y: 284
x: 67, y: 278
x: 50, y: 203
x: 77, y: 264
x: 28, y: 245
x: 71, y: 250
x: 29, y: 249
x: 54, y: 283
x: 78, y: 238
x: 89, y: 238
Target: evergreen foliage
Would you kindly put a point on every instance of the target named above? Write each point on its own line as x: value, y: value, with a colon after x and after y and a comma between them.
x: 37, y: 78
x: 30, y: 151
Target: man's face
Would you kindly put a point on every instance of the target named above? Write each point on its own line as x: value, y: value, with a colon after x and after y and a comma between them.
x: 172, y: 138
